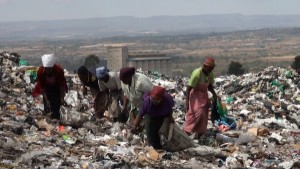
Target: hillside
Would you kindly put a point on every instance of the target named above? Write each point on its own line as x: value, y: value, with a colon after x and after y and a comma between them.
x: 126, y: 25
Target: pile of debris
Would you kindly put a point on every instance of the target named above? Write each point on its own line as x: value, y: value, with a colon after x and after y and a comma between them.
x: 265, y: 107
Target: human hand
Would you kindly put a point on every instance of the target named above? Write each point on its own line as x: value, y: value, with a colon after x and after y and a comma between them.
x: 172, y: 120
x: 84, y: 90
x: 48, y: 104
x: 124, y: 110
x: 134, y: 129
x: 63, y: 102
x: 216, y: 97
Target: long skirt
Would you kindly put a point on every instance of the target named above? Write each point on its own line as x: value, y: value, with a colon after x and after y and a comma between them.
x: 197, y: 122
x: 197, y: 116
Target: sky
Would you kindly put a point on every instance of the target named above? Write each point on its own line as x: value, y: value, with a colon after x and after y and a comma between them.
x: 26, y: 10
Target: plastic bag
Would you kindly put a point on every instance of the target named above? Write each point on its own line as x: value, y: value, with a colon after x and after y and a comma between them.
x: 227, y: 121
x: 214, y: 116
x: 23, y: 62
x: 72, y: 117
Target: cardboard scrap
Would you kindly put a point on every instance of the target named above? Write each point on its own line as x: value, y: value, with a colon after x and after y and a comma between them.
x: 296, y: 146
x: 258, y: 131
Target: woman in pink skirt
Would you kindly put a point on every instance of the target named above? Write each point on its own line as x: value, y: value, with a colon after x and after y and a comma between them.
x: 197, y: 102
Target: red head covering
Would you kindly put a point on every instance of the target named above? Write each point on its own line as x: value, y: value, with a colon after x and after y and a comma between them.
x: 158, y: 92
x: 209, y: 62
x: 126, y: 72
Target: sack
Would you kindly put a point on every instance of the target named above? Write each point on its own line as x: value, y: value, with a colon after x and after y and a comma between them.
x: 72, y: 117
x: 175, y: 138
x: 214, y: 115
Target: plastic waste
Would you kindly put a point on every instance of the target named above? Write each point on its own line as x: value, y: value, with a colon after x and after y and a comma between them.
x: 71, y: 98
x: 68, y: 140
x: 229, y: 99
x: 224, y: 139
x: 245, y: 138
x: 227, y: 121
x: 288, y: 74
x: 23, y: 62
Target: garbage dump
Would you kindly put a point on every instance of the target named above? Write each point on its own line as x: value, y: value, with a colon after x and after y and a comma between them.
x: 264, y: 107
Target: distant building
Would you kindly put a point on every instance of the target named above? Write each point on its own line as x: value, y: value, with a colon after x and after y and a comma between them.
x: 118, y: 57
x: 103, y: 62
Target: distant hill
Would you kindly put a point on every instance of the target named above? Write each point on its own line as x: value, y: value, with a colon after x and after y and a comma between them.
x: 126, y: 25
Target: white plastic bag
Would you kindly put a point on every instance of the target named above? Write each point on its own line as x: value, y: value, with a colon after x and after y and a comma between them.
x: 72, y: 117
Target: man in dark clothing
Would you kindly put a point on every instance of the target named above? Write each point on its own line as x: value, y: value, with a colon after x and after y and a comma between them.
x: 89, y: 79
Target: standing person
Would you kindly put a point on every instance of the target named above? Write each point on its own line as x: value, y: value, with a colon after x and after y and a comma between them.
x: 157, y: 105
x: 197, y: 101
x: 88, y: 79
x: 51, y: 83
x: 134, y: 85
x: 109, y: 82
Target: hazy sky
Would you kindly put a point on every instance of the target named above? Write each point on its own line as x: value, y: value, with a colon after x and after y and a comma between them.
x: 18, y: 10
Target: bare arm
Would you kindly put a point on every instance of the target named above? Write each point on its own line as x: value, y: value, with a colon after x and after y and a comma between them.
x: 125, y: 102
x: 212, y: 90
x: 171, y: 117
x: 137, y: 120
x: 84, y: 89
x: 188, y: 90
x: 62, y: 94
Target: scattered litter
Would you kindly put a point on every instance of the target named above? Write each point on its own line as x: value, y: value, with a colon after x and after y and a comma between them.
x: 263, y: 132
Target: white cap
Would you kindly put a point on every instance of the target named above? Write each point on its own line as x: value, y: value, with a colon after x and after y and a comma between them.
x: 48, y: 60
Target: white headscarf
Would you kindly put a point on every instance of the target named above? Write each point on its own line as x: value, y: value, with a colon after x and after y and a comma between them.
x: 48, y: 60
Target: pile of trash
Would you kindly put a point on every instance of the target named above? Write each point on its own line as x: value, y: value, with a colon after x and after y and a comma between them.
x: 264, y: 107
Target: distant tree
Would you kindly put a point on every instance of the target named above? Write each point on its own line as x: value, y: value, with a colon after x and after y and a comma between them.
x: 91, y: 60
x: 235, y: 68
x: 296, y: 64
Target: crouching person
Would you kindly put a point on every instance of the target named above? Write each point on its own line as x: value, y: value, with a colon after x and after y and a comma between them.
x: 109, y: 82
x: 134, y: 85
x: 157, y: 105
x: 51, y: 83
x: 88, y: 78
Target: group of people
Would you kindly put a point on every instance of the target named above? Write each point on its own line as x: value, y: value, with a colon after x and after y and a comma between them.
x: 141, y: 99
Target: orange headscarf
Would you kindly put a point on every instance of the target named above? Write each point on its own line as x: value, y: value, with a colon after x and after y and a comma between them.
x: 209, y: 62
x: 158, y: 92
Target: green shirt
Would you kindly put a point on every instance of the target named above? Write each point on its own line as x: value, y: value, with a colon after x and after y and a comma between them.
x: 199, y: 76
